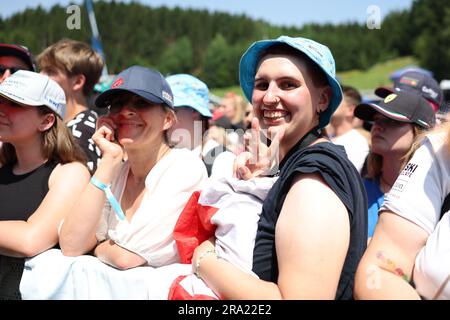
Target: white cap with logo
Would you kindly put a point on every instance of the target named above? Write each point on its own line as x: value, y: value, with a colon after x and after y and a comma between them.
x: 34, y: 89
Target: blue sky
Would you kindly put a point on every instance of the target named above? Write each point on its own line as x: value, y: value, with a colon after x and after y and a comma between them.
x: 279, y: 12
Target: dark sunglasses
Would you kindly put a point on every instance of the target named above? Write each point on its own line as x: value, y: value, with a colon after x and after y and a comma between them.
x: 387, y: 123
x: 134, y: 102
x: 11, y: 69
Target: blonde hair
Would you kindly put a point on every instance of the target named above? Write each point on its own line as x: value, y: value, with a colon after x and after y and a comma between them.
x: 74, y: 58
x: 444, y: 127
x: 57, y: 144
x: 239, y: 105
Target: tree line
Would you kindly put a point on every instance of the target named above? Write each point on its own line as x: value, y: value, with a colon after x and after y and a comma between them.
x: 210, y: 44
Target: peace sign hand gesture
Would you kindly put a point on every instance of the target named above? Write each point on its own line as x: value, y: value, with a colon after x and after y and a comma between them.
x: 258, y: 160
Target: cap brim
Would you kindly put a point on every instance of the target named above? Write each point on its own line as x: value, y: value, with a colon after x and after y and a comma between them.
x: 366, y: 112
x: 20, y: 100
x: 104, y: 99
x: 383, y: 92
x: 247, y: 71
x: 6, y: 50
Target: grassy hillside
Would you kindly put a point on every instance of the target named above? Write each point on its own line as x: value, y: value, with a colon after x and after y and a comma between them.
x: 376, y: 76
x: 364, y: 80
x: 220, y: 92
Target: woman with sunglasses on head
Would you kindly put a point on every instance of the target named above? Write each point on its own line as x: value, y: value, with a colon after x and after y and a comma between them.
x: 132, y: 225
x: 41, y: 172
x: 312, y: 229
x: 397, y: 120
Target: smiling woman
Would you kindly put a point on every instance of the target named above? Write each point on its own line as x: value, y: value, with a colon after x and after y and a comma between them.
x: 132, y: 225
x: 313, y: 220
x: 40, y: 163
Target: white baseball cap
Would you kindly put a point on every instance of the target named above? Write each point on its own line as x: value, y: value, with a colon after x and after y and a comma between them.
x: 34, y: 89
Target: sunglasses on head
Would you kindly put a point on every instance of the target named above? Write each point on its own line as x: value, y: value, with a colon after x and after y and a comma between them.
x: 134, y: 102
x: 11, y: 69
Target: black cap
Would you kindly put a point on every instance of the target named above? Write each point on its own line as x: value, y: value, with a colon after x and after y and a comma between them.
x: 145, y: 82
x: 401, y: 106
x: 20, y: 52
x: 415, y: 82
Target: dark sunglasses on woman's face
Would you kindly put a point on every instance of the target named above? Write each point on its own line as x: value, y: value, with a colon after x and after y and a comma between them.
x: 387, y: 122
x: 134, y: 102
x: 11, y: 69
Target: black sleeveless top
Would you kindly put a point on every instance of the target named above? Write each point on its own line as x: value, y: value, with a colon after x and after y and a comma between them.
x: 20, y: 196
x: 331, y: 163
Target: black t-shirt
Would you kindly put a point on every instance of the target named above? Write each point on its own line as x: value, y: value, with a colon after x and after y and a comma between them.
x: 20, y: 196
x: 83, y: 128
x: 331, y: 163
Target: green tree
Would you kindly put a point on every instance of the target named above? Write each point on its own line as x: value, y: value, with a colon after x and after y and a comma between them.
x: 216, y: 64
x: 432, y: 23
x: 177, y: 58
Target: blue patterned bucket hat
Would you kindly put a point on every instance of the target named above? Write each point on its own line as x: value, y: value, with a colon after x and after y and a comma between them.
x: 318, y: 53
x: 188, y: 91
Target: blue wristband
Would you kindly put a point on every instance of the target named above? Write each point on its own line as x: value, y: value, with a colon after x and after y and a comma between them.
x: 109, y: 195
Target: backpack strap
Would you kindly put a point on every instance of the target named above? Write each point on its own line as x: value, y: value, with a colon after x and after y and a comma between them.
x: 445, y: 206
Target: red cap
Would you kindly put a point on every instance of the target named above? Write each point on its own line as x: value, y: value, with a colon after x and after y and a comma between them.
x: 20, y: 52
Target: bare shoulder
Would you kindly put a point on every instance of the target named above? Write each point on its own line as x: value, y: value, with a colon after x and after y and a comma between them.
x: 72, y: 171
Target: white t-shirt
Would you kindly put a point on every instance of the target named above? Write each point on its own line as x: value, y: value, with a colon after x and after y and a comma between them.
x: 418, y: 195
x: 168, y: 186
x: 356, y: 147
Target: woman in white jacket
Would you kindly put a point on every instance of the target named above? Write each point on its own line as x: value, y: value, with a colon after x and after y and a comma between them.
x: 133, y: 226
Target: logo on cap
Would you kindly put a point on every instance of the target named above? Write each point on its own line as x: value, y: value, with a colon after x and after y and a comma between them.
x: 390, y: 98
x: 430, y: 91
x: 409, y: 81
x: 167, y: 96
x: 118, y: 82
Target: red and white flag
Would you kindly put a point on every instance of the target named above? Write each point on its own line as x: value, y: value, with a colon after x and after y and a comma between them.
x: 228, y: 209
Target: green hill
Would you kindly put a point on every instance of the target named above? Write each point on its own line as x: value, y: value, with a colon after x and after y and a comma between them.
x: 364, y: 80
x: 376, y: 76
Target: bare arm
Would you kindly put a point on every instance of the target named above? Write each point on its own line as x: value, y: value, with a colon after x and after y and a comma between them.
x: 79, y: 228
x: 118, y: 257
x: 388, y: 262
x: 40, y: 231
x: 311, y: 241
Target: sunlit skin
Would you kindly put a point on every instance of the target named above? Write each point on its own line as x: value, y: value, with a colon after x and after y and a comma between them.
x: 9, y: 62
x: 18, y: 123
x: 62, y: 78
x: 285, y: 96
x: 184, y: 131
x: 139, y: 124
x: 228, y: 108
x: 390, y: 136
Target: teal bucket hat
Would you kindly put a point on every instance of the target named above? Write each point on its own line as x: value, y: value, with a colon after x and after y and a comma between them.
x: 318, y: 53
x: 188, y: 91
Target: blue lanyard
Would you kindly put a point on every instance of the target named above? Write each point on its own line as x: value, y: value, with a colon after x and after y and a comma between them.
x: 109, y: 195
